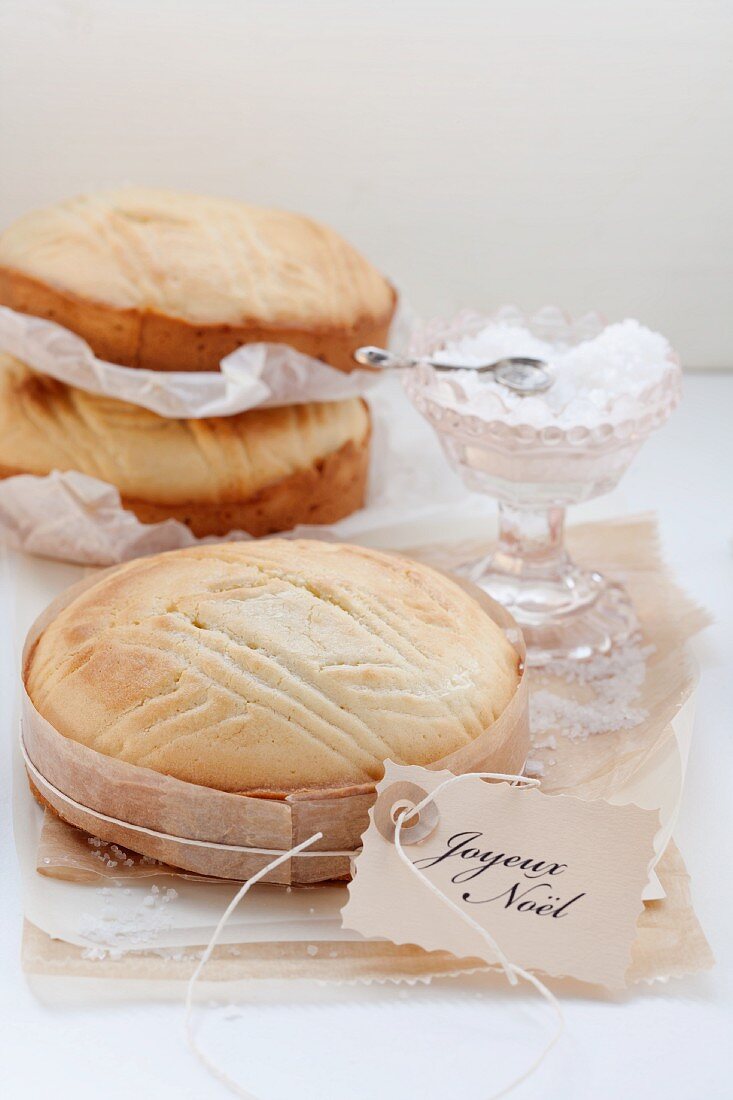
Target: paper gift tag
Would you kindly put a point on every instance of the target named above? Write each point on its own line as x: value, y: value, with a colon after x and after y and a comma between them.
x: 556, y: 881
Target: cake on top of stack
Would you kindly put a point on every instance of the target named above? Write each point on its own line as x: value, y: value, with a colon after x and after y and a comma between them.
x: 173, y: 282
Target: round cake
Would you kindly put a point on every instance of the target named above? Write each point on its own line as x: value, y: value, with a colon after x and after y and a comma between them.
x: 261, y: 471
x: 272, y: 667
x: 170, y: 281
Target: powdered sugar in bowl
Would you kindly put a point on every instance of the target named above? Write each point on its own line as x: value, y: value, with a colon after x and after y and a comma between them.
x: 536, y: 453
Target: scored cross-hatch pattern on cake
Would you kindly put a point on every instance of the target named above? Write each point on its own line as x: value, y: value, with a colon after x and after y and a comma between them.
x: 261, y: 676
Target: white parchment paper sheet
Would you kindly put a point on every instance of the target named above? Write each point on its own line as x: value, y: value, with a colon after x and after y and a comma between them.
x: 255, y: 375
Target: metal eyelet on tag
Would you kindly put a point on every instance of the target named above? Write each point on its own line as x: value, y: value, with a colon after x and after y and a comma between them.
x: 396, y: 798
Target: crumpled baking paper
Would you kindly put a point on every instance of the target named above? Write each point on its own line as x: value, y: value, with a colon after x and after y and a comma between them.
x: 70, y: 516
x: 253, y: 376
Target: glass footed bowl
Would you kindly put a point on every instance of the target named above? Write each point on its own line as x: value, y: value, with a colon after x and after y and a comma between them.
x: 536, y: 462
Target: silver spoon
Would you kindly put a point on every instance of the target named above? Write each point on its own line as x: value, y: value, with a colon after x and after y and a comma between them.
x: 517, y: 373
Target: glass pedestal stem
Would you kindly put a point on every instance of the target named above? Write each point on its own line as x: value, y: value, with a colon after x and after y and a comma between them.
x: 564, y: 611
x: 531, y: 540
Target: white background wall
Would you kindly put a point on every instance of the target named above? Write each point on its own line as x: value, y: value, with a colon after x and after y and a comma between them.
x: 480, y: 151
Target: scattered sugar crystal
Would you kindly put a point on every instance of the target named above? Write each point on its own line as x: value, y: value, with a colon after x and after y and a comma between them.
x: 312, y: 949
x: 549, y: 742
x: 95, y: 953
x: 171, y: 894
x: 120, y: 927
x: 606, y: 700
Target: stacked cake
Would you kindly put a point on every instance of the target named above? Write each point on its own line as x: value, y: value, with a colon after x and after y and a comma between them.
x: 172, y: 282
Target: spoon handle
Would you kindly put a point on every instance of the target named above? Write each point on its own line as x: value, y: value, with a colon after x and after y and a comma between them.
x: 387, y: 360
x: 518, y: 373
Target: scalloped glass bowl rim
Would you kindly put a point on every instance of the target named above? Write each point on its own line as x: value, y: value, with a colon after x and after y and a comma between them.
x: 424, y: 383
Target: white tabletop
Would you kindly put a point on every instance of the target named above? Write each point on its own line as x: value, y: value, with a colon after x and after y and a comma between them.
x: 455, y: 1037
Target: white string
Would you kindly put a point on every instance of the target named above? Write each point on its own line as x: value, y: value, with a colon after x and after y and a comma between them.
x: 211, y: 1066
x: 43, y: 782
x: 511, y: 970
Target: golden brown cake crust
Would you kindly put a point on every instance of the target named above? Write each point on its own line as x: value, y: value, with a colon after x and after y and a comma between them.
x: 260, y: 471
x: 153, y: 341
x: 330, y: 489
x: 167, y: 281
x: 272, y: 666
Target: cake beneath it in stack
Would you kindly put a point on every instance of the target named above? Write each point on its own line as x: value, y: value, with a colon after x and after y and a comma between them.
x: 261, y: 471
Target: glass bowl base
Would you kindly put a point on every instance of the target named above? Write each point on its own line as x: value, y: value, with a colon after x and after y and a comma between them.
x: 572, y: 616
